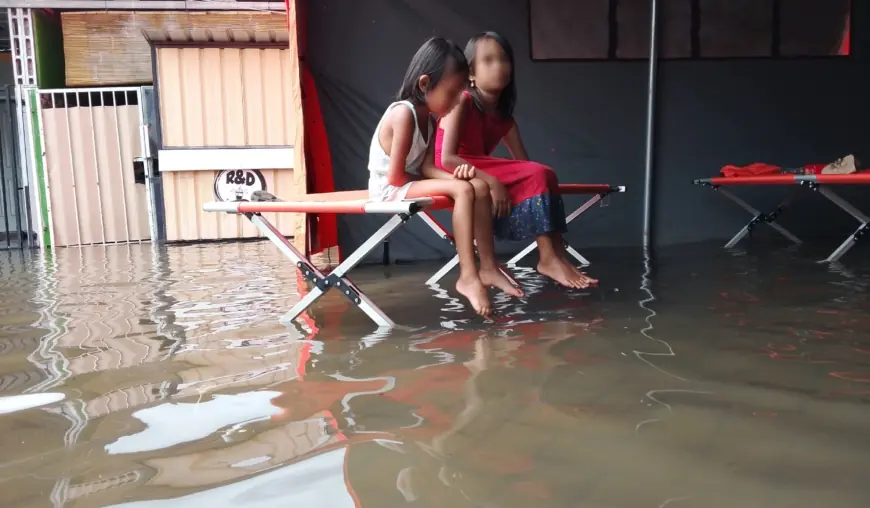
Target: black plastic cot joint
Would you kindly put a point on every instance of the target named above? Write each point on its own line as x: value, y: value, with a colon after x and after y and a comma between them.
x: 349, y: 292
x: 309, y: 273
x: 413, y: 208
x: 329, y: 282
x: 756, y: 220
x: 861, y: 231
x: 773, y: 215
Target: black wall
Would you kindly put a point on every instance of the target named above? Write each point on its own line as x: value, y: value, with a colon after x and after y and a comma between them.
x: 587, y: 119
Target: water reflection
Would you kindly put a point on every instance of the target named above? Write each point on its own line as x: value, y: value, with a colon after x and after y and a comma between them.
x: 742, y: 380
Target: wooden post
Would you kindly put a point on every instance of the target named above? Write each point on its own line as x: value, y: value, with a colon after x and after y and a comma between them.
x: 300, y: 228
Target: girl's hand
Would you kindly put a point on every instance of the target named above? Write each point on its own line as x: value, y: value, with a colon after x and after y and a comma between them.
x: 501, y: 200
x: 464, y: 172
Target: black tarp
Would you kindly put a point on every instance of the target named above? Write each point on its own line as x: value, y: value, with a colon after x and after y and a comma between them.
x: 587, y: 119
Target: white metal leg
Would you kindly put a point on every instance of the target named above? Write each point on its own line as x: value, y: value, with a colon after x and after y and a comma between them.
x: 758, y: 217
x: 338, y: 278
x: 437, y: 276
x: 576, y: 255
x: 450, y: 265
x: 568, y: 220
x: 854, y: 212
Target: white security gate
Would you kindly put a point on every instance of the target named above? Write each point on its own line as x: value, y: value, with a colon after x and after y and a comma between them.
x: 93, y: 190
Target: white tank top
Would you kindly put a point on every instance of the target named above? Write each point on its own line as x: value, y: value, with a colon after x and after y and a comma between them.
x: 379, y: 162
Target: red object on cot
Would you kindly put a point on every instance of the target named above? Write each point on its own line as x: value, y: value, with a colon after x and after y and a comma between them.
x: 755, y: 169
x: 814, y: 169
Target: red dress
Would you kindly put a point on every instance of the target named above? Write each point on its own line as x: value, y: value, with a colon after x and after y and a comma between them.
x: 537, y: 206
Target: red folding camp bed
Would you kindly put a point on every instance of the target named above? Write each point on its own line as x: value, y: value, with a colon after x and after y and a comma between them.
x: 357, y: 202
x: 597, y: 192
x: 818, y: 183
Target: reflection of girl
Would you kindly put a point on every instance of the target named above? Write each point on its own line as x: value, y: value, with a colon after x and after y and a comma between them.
x: 525, y: 194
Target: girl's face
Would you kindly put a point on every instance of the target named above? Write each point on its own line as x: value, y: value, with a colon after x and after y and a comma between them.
x: 445, y: 95
x: 492, y: 67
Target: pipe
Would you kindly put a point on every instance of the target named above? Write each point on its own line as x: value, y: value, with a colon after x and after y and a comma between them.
x: 650, y: 125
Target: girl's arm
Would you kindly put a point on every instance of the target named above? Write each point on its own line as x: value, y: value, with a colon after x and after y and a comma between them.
x: 452, y: 126
x: 429, y: 170
x: 514, y: 144
x: 402, y: 125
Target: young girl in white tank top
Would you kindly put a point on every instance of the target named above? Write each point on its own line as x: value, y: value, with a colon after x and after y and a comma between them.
x: 400, y: 153
x: 379, y: 162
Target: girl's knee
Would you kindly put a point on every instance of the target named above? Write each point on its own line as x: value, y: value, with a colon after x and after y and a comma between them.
x: 462, y: 190
x: 481, y: 188
x: 548, y: 176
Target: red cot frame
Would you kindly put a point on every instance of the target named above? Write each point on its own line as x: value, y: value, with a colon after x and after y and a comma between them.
x: 817, y: 183
x: 356, y: 202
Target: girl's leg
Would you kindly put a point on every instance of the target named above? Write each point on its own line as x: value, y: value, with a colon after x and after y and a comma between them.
x: 553, y: 265
x: 462, y: 194
x: 559, y: 245
x: 490, y: 274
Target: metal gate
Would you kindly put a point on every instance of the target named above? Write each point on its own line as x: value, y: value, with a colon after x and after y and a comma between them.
x: 93, y: 191
x: 15, y: 230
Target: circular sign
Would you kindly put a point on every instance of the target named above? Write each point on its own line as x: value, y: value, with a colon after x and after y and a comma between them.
x: 238, y: 184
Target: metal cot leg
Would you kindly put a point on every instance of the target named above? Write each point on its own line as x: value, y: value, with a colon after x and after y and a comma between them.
x: 758, y: 217
x: 854, y: 212
x: 450, y: 265
x: 338, y: 279
x: 568, y: 220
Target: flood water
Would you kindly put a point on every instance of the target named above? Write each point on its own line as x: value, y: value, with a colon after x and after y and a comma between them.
x: 161, y: 377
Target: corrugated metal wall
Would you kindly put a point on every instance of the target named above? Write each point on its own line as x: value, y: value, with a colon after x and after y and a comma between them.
x: 223, y: 97
x: 91, y: 137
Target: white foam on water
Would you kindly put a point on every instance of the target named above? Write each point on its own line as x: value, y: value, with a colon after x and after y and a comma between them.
x: 29, y: 401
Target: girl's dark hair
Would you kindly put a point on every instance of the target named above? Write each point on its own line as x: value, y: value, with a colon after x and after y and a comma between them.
x: 508, y: 99
x: 435, y: 58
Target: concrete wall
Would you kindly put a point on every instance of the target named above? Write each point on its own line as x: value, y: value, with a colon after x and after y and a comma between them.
x: 587, y: 119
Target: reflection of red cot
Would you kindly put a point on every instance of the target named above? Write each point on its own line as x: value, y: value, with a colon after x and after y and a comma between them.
x: 855, y: 377
x: 845, y: 45
x: 532, y: 489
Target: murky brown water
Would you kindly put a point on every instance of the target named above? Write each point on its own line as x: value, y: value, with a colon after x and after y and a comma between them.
x: 715, y: 380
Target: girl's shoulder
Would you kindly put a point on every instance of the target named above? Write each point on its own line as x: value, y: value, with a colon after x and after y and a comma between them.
x: 400, y: 111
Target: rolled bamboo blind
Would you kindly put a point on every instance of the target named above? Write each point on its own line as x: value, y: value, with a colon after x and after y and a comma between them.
x: 107, y: 48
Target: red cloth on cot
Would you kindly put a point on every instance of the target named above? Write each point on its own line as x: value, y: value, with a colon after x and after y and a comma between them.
x: 481, y: 134
x: 814, y: 169
x: 755, y: 169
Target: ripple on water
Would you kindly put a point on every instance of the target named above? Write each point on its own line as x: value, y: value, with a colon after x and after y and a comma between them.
x: 144, y: 376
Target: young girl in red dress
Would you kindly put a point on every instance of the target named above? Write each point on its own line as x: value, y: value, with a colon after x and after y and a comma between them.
x: 525, y: 194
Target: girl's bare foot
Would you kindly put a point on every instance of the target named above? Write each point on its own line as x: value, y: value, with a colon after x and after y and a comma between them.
x: 495, y: 278
x: 563, y: 273
x: 589, y: 280
x: 473, y: 289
